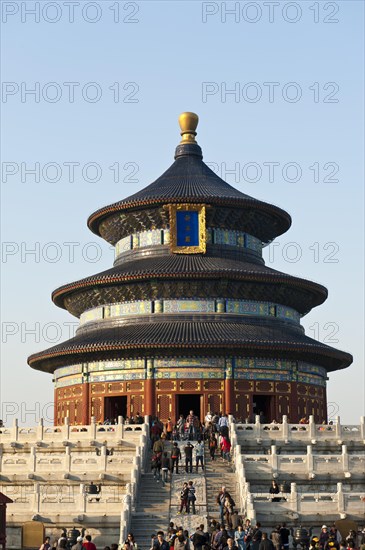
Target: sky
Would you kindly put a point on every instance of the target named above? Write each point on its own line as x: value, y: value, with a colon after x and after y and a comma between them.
x: 91, y: 93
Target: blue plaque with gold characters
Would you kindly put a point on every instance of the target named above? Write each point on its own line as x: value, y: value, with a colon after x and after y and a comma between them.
x: 187, y: 228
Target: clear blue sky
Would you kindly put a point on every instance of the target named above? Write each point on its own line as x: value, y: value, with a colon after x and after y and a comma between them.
x: 160, y: 59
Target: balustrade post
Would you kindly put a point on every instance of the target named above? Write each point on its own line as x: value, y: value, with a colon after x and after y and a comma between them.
x: 293, y: 497
x: 232, y: 428
x: 120, y: 427
x: 15, y: 430
x: 37, y: 498
x: 93, y: 427
x: 312, y: 427
x: 82, y: 499
x: 340, y: 498
x: 285, y: 428
x: 137, y: 465
x: 274, y: 461
x: 238, y: 457
x: 310, y: 462
x: 134, y: 474
x: 338, y: 427
x: 40, y: 430
x: 362, y: 427
x: 124, y: 520
x: 32, y: 459
x: 257, y: 426
x: 250, y: 508
x: 67, y: 459
x: 141, y: 450
x: 233, y: 437
x: 147, y: 424
x: 103, y: 458
x: 345, y: 461
x: 66, y: 428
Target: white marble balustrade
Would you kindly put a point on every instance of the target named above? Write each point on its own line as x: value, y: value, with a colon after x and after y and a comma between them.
x: 42, y: 434
x: 305, y: 466
x: 306, y: 433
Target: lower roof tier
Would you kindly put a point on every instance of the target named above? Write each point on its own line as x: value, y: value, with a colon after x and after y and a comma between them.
x: 250, y: 280
x: 212, y: 337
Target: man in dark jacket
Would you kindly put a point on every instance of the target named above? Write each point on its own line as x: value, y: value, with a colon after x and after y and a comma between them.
x: 256, y: 538
x: 165, y: 467
x: 199, y: 538
x: 231, y: 545
x: 265, y: 543
x: 284, y: 533
x: 161, y: 542
x: 188, y: 449
x: 175, y: 457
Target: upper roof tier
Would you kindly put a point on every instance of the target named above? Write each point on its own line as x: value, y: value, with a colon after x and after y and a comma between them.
x: 190, y: 180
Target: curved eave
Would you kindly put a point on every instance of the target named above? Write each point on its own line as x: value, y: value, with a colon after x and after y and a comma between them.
x: 319, y: 292
x: 164, y: 336
x: 282, y: 218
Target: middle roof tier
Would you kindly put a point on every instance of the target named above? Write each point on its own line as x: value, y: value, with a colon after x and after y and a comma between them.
x: 189, y: 276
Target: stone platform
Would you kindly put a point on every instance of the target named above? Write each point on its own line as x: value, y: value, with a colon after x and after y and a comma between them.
x: 47, y: 471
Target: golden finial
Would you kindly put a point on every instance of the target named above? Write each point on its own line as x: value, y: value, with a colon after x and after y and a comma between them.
x: 188, y: 123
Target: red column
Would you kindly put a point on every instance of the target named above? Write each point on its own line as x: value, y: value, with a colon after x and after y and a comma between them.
x: 85, y: 404
x: 149, y: 397
x: 324, y: 405
x: 293, y: 415
x: 228, y: 395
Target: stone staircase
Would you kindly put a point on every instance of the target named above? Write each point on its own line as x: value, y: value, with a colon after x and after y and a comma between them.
x: 152, y: 510
x: 156, y: 504
x: 217, y: 474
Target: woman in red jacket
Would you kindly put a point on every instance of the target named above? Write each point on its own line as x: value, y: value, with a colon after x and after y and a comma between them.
x: 226, y: 448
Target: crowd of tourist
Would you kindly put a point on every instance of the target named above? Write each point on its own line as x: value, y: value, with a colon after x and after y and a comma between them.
x: 81, y: 543
x: 166, y: 462
x: 189, y: 427
x: 239, y: 534
x: 244, y: 536
x: 137, y: 419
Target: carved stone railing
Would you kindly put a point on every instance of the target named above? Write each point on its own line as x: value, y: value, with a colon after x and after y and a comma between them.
x: 243, y: 487
x: 35, y: 460
x: 340, y: 502
x: 140, y: 464
x: 310, y: 433
x: 308, y: 465
x: 42, y: 434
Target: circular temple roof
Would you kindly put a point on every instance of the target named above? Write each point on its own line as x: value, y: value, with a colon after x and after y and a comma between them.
x: 190, y: 180
x: 192, y: 267
x: 161, y: 273
x: 208, y: 336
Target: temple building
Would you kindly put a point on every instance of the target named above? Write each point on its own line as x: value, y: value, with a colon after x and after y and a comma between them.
x: 189, y: 316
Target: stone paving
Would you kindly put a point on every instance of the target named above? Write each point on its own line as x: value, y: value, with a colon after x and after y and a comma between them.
x: 188, y: 521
